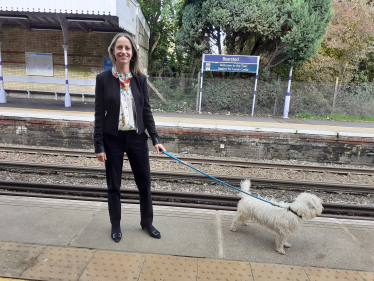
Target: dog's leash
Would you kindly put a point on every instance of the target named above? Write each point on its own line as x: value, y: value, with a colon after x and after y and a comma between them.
x: 221, y: 182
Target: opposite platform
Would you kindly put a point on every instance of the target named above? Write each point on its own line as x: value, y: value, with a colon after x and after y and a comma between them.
x: 51, y: 109
x: 75, y: 234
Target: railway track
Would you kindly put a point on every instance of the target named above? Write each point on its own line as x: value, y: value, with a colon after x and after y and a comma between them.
x: 194, y: 160
x: 167, y: 175
x: 163, y: 198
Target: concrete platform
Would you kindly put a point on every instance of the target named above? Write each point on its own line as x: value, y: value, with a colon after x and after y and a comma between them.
x: 47, y: 225
x: 195, y: 244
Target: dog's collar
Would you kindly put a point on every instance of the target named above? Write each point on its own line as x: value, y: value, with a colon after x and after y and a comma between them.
x: 292, y: 211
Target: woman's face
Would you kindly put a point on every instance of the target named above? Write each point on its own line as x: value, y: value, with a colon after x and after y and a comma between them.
x: 122, y: 51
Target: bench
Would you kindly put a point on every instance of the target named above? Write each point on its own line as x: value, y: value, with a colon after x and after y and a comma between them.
x: 44, y: 80
x: 49, y: 92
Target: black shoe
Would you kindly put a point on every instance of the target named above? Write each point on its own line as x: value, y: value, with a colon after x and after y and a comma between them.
x: 153, y: 232
x: 116, y: 237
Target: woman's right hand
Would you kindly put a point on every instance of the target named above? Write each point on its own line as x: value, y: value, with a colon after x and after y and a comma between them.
x: 101, y: 156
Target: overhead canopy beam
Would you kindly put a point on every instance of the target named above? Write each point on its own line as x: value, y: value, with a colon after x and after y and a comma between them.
x: 26, y: 24
x: 3, y: 16
x: 64, y: 28
x: 85, y: 19
x: 45, y: 19
x: 84, y: 26
x: 110, y: 22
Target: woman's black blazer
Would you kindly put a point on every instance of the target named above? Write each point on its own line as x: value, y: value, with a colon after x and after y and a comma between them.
x: 107, y: 104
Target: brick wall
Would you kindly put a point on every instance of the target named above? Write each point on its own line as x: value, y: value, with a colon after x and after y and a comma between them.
x: 209, y: 142
x: 85, y: 55
x: 260, y: 145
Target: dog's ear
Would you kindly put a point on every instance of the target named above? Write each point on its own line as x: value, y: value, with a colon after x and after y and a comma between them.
x: 311, y: 205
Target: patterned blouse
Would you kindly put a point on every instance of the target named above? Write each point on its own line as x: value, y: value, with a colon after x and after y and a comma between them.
x: 127, y: 112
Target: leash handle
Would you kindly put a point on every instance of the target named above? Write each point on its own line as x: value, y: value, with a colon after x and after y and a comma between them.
x: 217, y: 180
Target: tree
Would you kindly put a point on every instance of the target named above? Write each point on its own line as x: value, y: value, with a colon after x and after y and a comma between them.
x: 345, y: 45
x: 161, y: 16
x: 366, y: 68
x: 279, y: 31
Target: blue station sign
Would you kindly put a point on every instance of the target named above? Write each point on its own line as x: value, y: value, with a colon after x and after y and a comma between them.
x: 229, y: 63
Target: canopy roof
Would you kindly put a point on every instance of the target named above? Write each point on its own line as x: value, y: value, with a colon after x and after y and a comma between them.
x: 88, y: 15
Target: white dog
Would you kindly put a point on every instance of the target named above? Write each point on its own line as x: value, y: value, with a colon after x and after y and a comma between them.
x: 284, y: 220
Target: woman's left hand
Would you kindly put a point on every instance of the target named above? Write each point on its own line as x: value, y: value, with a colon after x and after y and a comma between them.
x: 159, y: 147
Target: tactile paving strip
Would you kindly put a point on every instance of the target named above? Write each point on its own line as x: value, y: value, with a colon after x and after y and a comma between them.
x: 168, y: 268
x: 367, y: 276
x: 322, y: 274
x: 275, y: 272
x: 113, y: 266
x: 54, y: 263
x: 16, y: 258
x: 217, y: 270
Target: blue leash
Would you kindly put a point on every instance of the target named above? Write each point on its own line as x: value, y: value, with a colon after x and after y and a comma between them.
x: 217, y: 180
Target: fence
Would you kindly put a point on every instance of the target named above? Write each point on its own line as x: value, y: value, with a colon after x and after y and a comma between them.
x: 234, y: 96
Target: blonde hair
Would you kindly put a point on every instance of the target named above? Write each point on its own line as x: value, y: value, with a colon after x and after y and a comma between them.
x: 134, y: 62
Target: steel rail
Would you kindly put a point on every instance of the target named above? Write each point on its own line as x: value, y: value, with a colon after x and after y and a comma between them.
x: 166, y: 175
x: 195, y: 160
x: 126, y: 192
x: 163, y: 198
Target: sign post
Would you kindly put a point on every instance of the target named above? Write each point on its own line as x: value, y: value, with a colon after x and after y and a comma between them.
x: 229, y: 63
x: 288, y: 97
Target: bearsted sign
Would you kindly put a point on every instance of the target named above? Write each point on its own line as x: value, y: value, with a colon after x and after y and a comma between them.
x: 229, y: 63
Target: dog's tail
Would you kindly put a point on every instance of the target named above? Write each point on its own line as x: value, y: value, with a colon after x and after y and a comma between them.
x: 245, y: 185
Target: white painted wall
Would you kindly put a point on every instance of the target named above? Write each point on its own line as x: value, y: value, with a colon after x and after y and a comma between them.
x: 126, y: 13
x: 143, y: 22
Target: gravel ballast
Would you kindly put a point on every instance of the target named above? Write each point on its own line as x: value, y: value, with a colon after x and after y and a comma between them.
x: 194, y: 186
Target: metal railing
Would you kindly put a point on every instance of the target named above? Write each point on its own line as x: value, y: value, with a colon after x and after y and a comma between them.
x: 235, y: 96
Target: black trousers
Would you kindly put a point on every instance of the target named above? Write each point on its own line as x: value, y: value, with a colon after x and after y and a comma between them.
x: 136, y: 148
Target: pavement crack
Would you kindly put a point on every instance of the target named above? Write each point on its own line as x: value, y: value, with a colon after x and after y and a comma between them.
x: 84, y: 226
x: 358, y: 241
x: 219, y: 236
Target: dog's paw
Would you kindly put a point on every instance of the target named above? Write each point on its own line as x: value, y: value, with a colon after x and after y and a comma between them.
x: 233, y: 226
x: 287, y: 245
x: 281, y: 251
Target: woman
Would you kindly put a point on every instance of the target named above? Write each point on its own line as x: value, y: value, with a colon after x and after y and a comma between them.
x: 122, y: 113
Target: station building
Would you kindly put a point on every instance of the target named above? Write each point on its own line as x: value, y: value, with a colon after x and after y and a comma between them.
x: 60, y: 46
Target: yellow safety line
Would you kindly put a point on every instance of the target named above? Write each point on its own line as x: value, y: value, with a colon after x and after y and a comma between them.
x: 9, y: 279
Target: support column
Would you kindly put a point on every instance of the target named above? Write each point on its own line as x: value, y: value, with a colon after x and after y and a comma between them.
x: 288, y: 97
x: 2, y: 91
x: 67, y: 95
